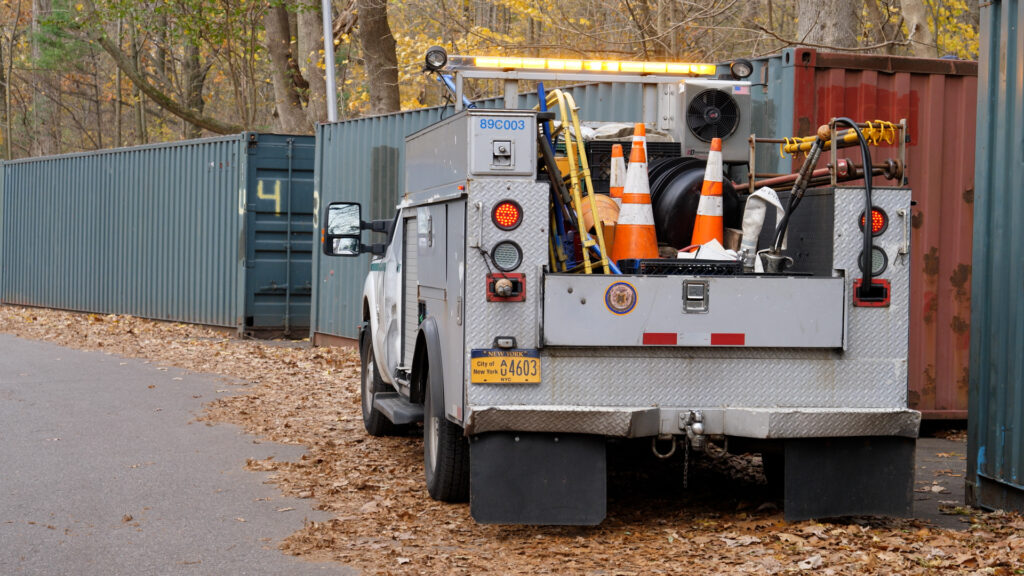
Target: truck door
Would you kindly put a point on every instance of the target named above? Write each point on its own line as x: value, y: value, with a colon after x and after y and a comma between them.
x: 389, y: 339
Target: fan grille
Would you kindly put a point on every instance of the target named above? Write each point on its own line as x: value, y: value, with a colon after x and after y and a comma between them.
x: 712, y: 114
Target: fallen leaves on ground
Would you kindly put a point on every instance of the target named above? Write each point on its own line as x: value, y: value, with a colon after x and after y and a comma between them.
x: 385, y: 523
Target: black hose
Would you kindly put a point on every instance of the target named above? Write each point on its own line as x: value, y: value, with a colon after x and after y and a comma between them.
x: 796, y: 194
x: 865, y: 287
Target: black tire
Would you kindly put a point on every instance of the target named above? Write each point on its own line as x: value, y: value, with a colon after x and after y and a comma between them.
x: 376, y: 423
x: 445, y: 448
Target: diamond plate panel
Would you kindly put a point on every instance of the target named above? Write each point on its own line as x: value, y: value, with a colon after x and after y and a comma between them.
x: 875, y: 332
x: 605, y: 422
x: 811, y: 423
x: 750, y: 423
x: 485, y: 320
x: 659, y: 377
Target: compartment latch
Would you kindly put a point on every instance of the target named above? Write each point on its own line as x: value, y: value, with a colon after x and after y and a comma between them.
x: 695, y: 296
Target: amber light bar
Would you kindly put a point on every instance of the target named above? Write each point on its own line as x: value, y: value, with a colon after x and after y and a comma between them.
x: 570, y: 65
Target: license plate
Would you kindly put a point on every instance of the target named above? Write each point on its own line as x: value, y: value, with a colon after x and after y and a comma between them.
x: 504, y: 367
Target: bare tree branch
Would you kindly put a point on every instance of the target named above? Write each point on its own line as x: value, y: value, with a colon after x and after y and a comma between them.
x: 163, y: 100
x: 870, y: 48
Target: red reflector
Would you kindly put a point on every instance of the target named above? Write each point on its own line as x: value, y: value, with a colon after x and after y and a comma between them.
x: 507, y: 215
x: 729, y: 339
x: 882, y: 294
x: 878, y: 221
x: 659, y: 338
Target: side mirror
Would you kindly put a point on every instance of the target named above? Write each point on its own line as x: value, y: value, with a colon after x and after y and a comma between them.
x: 342, y: 229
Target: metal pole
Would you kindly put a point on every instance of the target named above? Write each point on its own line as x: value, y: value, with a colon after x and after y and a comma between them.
x: 288, y: 247
x: 650, y: 103
x: 332, y: 90
x: 511, y: 94
x: 458, y: 93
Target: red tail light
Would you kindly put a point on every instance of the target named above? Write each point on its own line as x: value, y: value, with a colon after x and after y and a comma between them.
x: 879, y: 221
x: 507, y: 215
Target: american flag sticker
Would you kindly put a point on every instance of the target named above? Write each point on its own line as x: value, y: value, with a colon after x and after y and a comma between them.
x: 741, y: 89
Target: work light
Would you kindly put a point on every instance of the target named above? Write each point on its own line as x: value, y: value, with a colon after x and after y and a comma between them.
x: 436, y: 58
x: 741, y: 68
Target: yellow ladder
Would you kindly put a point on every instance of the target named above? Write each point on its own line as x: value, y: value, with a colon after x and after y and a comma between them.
x: 579, y: 176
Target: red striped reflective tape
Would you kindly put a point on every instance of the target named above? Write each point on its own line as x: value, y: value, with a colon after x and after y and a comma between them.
x: 728, y: 339
x: 714, y: 339
x: 659, y: 338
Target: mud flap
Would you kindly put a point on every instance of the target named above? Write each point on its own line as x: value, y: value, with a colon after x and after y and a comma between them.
x: 829, y: 477
x: 530, y: 478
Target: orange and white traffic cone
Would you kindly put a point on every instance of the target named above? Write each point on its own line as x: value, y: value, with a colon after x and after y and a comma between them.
x: 635, y: 236
x: 709, y: 223
x: 617, y: 175
x: 639, y: 135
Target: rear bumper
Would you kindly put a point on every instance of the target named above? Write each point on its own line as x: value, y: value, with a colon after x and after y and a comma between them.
x: 763, y: 423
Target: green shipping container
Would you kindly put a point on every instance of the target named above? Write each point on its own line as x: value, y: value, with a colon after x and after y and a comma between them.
x: 216, y: 231
x: 995, y: 439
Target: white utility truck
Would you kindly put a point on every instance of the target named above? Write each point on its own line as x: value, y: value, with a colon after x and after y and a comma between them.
x: 521, y: 373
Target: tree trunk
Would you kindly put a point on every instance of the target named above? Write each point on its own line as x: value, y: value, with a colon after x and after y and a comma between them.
x: 922, y: 40
x: 884, y: 32
x: 140, y: 107
x: 45, y: 115
x: 379, y: 53
x: 829, y: 23
x: 160, y: 50
x: 97, y: 91
x: 194, y: 77
x: 311, y: 41
x: 120, y: 88
x: 291, y: 119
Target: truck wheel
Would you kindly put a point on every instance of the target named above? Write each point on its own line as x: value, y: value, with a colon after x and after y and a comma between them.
x: 445, y: 448
x: 376, y: 423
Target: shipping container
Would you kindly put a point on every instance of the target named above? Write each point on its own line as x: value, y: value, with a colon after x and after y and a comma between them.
x: 215, y: 231
x: 996, y: 425
x: 803, y: 88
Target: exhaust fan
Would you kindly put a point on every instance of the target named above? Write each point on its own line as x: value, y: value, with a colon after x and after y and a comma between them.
x: 714, y: 109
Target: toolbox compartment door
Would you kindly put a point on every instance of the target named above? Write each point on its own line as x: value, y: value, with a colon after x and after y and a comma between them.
x: 693, y: 311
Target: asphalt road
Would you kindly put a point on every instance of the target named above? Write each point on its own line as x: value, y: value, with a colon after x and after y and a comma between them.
x: 939, y: 482
x: 104, y: 471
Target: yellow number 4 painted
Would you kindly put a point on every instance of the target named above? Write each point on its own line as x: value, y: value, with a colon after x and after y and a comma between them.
x: 276, y: 196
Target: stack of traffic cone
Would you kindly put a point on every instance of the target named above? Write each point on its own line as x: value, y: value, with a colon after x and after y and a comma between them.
x: 709, y: 223
x: 617, y: 177
x: 634, y: 234
x: 639, y: 137
x: 616, y: 183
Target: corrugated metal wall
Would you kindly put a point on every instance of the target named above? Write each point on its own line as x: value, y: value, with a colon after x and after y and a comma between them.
x: 996, y: 423
x: 363, y: 161
x: 154, y: 231
x: 938, y: 98
x: 357, y: 161
x: 151, y: 231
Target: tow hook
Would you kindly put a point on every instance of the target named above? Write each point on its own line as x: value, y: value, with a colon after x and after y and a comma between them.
x: 503, y: 288
x: 671, y: 448
x: 695, y: 431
